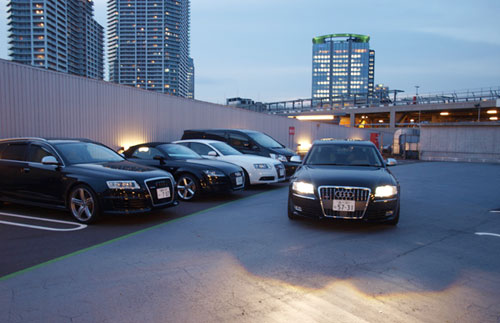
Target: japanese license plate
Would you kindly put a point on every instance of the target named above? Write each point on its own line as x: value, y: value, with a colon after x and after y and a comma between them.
x: 163, y: 193
x: 344, y: 206
x: 239, y: 180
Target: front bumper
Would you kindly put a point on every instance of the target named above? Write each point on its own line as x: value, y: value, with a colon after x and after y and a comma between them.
x: 215, y: 184
x: 268, y: 176
x: 376, y: 210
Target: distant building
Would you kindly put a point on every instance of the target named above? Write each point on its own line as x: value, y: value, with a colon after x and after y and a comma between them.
x: 247, y: 104
x: 381, y: 92
x: 190, y: 94
x: 149, y: 45
x: 59, y: 35
x: 343, y: 65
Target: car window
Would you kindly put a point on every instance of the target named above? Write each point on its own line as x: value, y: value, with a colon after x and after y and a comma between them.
x: 201, y: 149
x: 146, y: 153
x: 343, y: 154
x: 264, y: 140
x: 239, y: 141
x: 86, y: 152
x: 225, y: 149
x: 180, y: 152
x: 36, y: 153
x: 15, y: 151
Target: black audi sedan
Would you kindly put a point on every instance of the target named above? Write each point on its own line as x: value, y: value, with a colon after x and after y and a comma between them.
x: 83, y: 176
x: 193, y: 173
x: 344, y: 180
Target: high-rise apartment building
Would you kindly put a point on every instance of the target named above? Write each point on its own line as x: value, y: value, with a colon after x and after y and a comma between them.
x: 149, y: 45
x: 60, y: 35
x: 190, y: 79
x: 343, y: 65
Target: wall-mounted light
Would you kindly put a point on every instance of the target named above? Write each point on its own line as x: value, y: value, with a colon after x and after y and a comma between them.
x: 493, y: 118
x: 381, y: 121
x: 444, y: 113
x: 316, y: 117
x: 412, y: 120
x: 491, y: 112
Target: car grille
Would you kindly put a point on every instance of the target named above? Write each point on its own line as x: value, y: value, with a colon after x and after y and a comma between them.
x: 233, y: 180
x: 130, y: 204
x: 278, y: 167
x: 154, y: 184
x: 361, y: 196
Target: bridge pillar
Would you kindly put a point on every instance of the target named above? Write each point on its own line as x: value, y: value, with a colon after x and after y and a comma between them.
x: 392, y: 119
x: 353, y: 119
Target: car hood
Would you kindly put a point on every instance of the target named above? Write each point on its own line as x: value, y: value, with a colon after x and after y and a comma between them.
x: 249, y: 159
x: 122, y: 169
x: 356, y: 176
x: 283, y: 151
x: 217, y: 164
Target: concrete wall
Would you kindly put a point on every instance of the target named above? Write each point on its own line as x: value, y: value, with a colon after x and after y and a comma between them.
x: 474, y: 142
x: 36, y: 102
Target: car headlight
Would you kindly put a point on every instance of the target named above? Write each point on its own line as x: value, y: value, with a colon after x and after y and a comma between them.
x: 214, y: 173
x: 261, y: 166
x: 281, y: 158
x: 123, y: 185
x: 386, y: 191
x: 303, y: 188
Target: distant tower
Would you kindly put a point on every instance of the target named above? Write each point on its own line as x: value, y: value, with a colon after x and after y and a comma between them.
x: 149, y: 44
x: 342, y: 65
x: 190, y: 94
x: 60, y: 35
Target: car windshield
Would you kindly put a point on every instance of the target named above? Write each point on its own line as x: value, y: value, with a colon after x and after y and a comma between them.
x: 176, y: 151
x: 264, y: 140
x: 344, y: 155
x: 225, y: 149
x: 86, y: 153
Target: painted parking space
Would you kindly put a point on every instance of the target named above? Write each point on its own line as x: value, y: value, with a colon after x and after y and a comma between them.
x: 25, y: 221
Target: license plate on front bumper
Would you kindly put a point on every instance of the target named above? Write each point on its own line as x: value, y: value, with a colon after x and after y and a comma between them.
x: 163, y: 193
x: 281, y: 172
x: 239, y: 180
x: 344, y: 206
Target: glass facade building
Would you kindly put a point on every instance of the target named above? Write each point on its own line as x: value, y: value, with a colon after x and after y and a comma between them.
x: 149, y: 45
x: 343, y: 66
x: 59, y: 35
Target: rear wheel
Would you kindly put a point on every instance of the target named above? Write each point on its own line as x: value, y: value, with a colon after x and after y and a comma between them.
x: 83, y: 204
x: 187, y: 187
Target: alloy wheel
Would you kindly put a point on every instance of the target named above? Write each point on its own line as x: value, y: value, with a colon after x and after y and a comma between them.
x: 186, y: 188
x: 83, y: 205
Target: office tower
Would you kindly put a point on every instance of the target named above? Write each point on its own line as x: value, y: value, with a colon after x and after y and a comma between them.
x: 60, y: 35
x: 343, y: 67
x: 149, y: 44
x: 190, y: 79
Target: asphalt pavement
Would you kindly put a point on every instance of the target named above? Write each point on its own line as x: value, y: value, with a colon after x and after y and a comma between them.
x: 245, y: 261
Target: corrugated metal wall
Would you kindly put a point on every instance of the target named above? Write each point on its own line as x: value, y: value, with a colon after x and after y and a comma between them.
x: 36, y: 102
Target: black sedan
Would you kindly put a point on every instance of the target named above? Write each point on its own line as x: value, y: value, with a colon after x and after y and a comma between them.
x: 344, y: 180
x: 83, y: 176
x: 193, y: 173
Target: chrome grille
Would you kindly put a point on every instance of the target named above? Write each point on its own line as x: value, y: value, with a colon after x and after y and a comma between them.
x: 361, y: 196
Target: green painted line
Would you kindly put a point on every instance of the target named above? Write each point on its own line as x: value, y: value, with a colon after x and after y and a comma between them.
x: 48, y: 262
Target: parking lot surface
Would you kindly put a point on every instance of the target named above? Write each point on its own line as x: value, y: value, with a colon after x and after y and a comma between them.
x: 246, y: 261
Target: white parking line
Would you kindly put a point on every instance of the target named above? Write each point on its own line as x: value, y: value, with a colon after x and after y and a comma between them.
x: 495, y: 211
x: 487, y: 234
x: 79, y: 226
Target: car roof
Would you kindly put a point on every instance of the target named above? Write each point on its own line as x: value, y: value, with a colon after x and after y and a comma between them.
x: 343, y: 142
x: 48, y: 140
x: 203, y: 141
x: 220, y: 129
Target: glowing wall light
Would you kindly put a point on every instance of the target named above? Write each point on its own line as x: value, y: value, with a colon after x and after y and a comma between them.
x: 316, y: 117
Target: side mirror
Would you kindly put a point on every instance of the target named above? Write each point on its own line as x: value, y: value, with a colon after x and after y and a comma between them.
x: 391, y: 162
x: 296, y: 159
x: 212, y: 153
x: 50, y: 160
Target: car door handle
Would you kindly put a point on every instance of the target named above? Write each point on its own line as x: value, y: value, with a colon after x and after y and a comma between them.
x: 25, y: 170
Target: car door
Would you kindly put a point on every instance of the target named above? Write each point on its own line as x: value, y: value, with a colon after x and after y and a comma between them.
x: 43, y: 183
x: 13, y: 166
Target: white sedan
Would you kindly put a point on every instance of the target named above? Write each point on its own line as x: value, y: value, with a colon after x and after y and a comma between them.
x: 258, y: 169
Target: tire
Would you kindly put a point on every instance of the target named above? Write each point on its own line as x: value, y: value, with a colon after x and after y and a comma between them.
x: 291, y: 216
x: 188, y: 188
x: 247, y: 179
x: 394, y: 221
x: 83, y: 204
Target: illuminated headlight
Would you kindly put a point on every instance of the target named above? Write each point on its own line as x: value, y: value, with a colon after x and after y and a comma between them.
x: 386, y: 191
x: 261, y: 166
x: 281, y: 158
x: 123, y: 185
x: 303, y: 188
x: 214, y: 173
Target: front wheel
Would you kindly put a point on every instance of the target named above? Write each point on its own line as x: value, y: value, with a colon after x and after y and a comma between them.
x: 83, y: 204
x: 187, y: 187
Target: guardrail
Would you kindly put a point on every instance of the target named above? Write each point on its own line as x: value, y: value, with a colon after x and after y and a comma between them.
x: 363, y: 101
